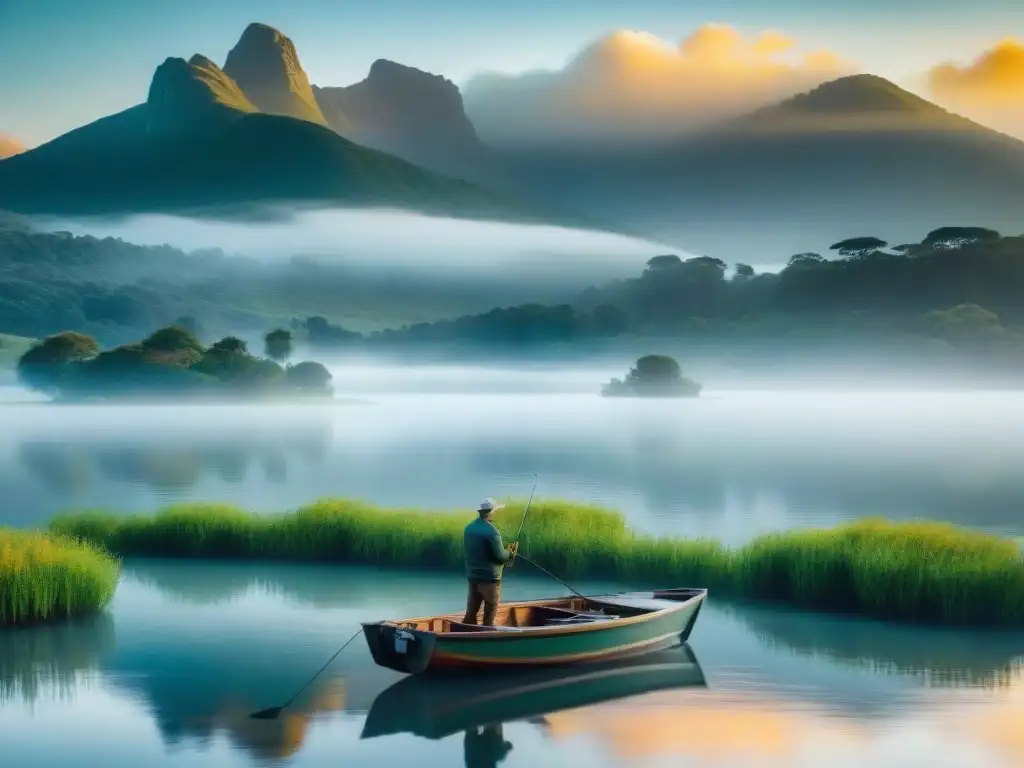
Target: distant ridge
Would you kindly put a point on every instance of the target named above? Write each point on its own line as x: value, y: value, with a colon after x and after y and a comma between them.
x: 856, y: 155
x: 854, y: 103
x: 408, y: 112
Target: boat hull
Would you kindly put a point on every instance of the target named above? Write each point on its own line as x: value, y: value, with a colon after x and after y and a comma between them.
x: 435, y: 707
x: 416, y: 651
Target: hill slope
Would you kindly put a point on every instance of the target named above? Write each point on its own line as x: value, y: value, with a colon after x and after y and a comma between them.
x: 854, y: 156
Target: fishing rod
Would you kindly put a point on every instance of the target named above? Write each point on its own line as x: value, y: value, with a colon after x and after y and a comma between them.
x: 522, y: 522
x: 546, y: 572
x: 540, y: 568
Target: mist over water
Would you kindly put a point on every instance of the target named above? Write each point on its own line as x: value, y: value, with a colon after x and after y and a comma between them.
x: 381, y: 239
x: 730, y: 464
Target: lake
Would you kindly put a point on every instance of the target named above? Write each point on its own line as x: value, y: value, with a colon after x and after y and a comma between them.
x: 187, y: 650
x: 168, y: 675
x: 730, y: 464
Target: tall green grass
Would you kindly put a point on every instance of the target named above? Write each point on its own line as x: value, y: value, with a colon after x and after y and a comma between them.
x: 919, y: 571
x: 45, y: 576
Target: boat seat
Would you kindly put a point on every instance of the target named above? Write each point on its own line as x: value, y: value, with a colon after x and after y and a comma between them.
x: 582, y: 618
x: 642, y: 601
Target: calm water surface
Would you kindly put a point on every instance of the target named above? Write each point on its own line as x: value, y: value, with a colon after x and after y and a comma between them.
x: 168, y: 676
x: 731, y: 464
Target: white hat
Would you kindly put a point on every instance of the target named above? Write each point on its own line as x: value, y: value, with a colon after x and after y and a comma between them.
x: 489, y: 504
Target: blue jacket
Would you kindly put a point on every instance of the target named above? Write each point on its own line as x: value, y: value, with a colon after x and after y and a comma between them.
x: 485, y: 554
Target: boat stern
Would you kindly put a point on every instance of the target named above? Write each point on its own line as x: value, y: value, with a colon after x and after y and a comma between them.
x: 397, y: 648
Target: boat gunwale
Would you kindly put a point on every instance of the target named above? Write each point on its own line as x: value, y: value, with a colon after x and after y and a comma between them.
x: 545, y: 631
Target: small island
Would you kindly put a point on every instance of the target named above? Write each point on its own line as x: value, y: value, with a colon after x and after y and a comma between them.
x: 653, y: 376
x: 171, y: 362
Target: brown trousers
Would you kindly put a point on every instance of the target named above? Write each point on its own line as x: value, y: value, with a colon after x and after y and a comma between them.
x: 485, y: 594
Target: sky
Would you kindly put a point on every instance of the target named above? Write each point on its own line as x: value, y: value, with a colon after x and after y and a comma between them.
x: 64, y: 63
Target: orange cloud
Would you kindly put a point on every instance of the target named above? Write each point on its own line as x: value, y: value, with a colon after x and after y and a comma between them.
x: 10, y: 146
x: 989, y: 89
x: 633, y: 85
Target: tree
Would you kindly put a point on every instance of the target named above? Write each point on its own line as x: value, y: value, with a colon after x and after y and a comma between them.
x: 707, y: 261
x: 653, y: 375
x: 958, y: 237
x: 964, y: 324
x: 278, y: 344
x: 659, y: 263
x: 231, y: 345
x: 654, y: 368
x: 743, y: 271
x: 309, y: 376
x: 173, y: 338
x: 858, y: 246
x: 44, y: 364
x: 805, y: 260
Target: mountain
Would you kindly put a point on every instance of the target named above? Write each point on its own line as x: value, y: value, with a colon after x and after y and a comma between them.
x: 10, y: 146
x: 266, y: 67
x: 407, y: 112
x: 193, y: 95
x: 855, y: 156
x: 198, y: 143
x: 855, y: 103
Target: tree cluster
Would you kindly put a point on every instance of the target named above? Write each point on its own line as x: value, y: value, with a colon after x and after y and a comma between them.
x: 957, y: 289
x: 170, y: 361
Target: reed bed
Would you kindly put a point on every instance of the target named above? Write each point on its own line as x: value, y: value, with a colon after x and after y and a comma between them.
x: 923, y: 572
x: 48, y: 576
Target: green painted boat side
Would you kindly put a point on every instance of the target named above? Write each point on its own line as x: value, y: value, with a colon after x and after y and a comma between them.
x: 595, y: 643
x: 420, y: 650
x: 435, y: 707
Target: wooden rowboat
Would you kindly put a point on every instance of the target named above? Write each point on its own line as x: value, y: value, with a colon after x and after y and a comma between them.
x: 435, y: 707
x: 566, y: 630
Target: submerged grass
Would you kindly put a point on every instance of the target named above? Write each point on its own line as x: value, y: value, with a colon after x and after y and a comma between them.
x: 45, y: 576
x: 919, y: 571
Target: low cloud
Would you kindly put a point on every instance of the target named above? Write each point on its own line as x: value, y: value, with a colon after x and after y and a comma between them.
x: 990, y: 89
x: 633, y: 86
x: 10, y: 146
x: 414, y: 245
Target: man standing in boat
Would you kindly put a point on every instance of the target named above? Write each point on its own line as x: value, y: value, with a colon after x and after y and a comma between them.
x: 485, y: 560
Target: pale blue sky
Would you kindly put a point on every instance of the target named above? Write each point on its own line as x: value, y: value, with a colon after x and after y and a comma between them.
x: 67, y: 62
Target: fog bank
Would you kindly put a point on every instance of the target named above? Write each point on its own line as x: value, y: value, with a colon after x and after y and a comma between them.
x: 385, y: 238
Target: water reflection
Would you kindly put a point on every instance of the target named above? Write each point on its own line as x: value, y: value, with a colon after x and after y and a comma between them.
x: 175, y: 465
x: 37, y: 661
x: 729, y: 466
x: 199, y: 646
x: 485, y: 747
x: 435, y: 707
x: 947, y: 658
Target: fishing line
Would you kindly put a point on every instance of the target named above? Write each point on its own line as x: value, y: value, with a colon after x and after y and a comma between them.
x: 544, y: 570
x: 273, y: 712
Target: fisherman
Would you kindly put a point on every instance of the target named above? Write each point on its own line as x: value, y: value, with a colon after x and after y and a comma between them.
x: 485, y: 559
